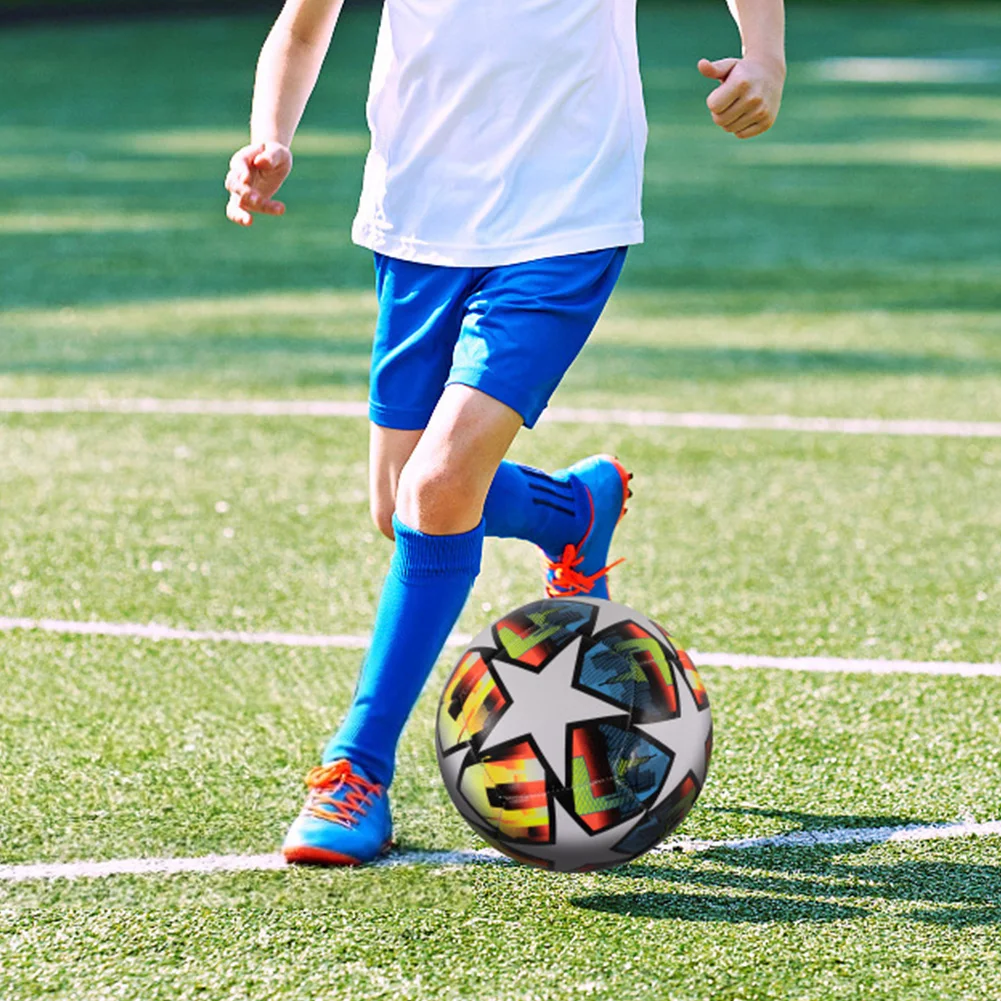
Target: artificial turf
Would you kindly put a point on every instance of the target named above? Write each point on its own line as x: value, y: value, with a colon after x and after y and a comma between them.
x: 752, y: 542
x: 123, y: 749
x: 884, y: 923
x: 844, y: 266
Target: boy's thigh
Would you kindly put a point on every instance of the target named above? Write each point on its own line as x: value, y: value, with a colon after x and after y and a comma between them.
x: 526, y: 323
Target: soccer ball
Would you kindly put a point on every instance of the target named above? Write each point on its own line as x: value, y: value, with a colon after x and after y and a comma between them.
x: 573, y: 735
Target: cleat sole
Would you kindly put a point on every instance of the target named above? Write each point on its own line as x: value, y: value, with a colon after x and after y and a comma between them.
x: 307, y: 855
x: 304, y: 855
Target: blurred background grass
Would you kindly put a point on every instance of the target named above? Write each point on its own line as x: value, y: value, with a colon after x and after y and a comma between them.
x: 846, y: 263
x: 46, y: 8
x: 41, y: 9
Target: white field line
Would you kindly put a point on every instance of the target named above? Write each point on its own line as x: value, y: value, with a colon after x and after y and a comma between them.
x: 846, y: 665
x: 157, y: 633
x: 560, y: 415
x: 847, y: 836
x: 263, y: 863
x: 780, y: 422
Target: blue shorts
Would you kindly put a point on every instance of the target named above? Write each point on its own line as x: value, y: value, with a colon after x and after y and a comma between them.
x: 510, y: 331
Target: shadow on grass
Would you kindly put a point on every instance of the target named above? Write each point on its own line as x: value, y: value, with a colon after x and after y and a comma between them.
x: 726, y: 235
x: 336, y: 361
x: 817, y: 884
x: 716, y: 908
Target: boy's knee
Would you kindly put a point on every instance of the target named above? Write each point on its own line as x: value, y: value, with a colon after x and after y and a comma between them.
x: 436, y: 500
x: 429, y: 487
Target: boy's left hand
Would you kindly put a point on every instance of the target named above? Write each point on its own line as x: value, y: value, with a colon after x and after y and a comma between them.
x: 747, y: 100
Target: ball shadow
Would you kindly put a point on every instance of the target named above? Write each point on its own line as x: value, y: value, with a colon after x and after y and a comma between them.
x: 804, y: 883
x: 710, y: 908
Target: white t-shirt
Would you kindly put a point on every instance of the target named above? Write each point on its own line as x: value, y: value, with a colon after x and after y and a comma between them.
x: 503, y: 131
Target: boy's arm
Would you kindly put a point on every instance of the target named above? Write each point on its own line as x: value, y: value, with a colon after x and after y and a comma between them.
x: 747, y: 100
x: 289, y: 64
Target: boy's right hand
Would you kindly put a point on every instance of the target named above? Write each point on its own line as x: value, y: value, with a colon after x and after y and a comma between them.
x: 256, y: 172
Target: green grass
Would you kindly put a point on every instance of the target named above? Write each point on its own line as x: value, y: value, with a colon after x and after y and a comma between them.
x: 845, y: 265
x: 882, y: 923
x: 216, y: 522
x: 180, y: 749
x: 127, y: 748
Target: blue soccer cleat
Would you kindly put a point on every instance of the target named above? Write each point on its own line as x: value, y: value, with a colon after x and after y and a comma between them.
x: 583, y: 568
x: 344, y: 821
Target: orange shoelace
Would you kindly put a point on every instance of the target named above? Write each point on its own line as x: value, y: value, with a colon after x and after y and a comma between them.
x: 353, y: 793
x: 567, y: 579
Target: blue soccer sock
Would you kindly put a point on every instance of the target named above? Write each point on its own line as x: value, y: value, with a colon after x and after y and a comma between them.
x: 429, y: 579
x: 525, y: 503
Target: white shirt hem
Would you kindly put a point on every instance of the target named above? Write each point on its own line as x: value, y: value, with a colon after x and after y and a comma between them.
x: 496, y: 255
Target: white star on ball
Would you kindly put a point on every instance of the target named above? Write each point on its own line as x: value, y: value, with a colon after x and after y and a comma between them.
x: 542, y: 704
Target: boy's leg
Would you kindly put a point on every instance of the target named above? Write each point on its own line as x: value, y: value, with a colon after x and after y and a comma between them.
x: 510, y: 313
x: 551, y: 510
x: 554, y: 510
x: 388, y: 452
x: 439, y: 538
x: 523, y: 327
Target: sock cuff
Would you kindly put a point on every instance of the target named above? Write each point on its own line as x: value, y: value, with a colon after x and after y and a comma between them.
x: 421, y: 555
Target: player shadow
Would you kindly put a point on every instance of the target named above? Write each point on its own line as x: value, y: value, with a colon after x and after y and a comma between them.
x: 336, y: 361
x: 816, y: 883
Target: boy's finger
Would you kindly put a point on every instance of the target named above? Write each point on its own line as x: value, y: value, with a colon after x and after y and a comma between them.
x: 732, y: 114
x: 271, y: 158
x: 235, y: 185
x: 253, y: 201
x: 755, y: 130
x: 269, y: 207
x: 245, y: 157
x: 747, y: 121
x: 740, y: 109
x: 236, y: 213
x: 718, y: 70
x: 725, y: 95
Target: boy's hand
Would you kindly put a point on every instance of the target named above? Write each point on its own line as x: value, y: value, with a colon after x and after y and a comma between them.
x: 256, y: 172
x: 747, y: 100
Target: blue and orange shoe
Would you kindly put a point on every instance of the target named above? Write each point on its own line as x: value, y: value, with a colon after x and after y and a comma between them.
x: 583, y: 568
x: 344, y: 821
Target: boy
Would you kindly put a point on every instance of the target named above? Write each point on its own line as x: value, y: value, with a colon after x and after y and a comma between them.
x: 500, y: 193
